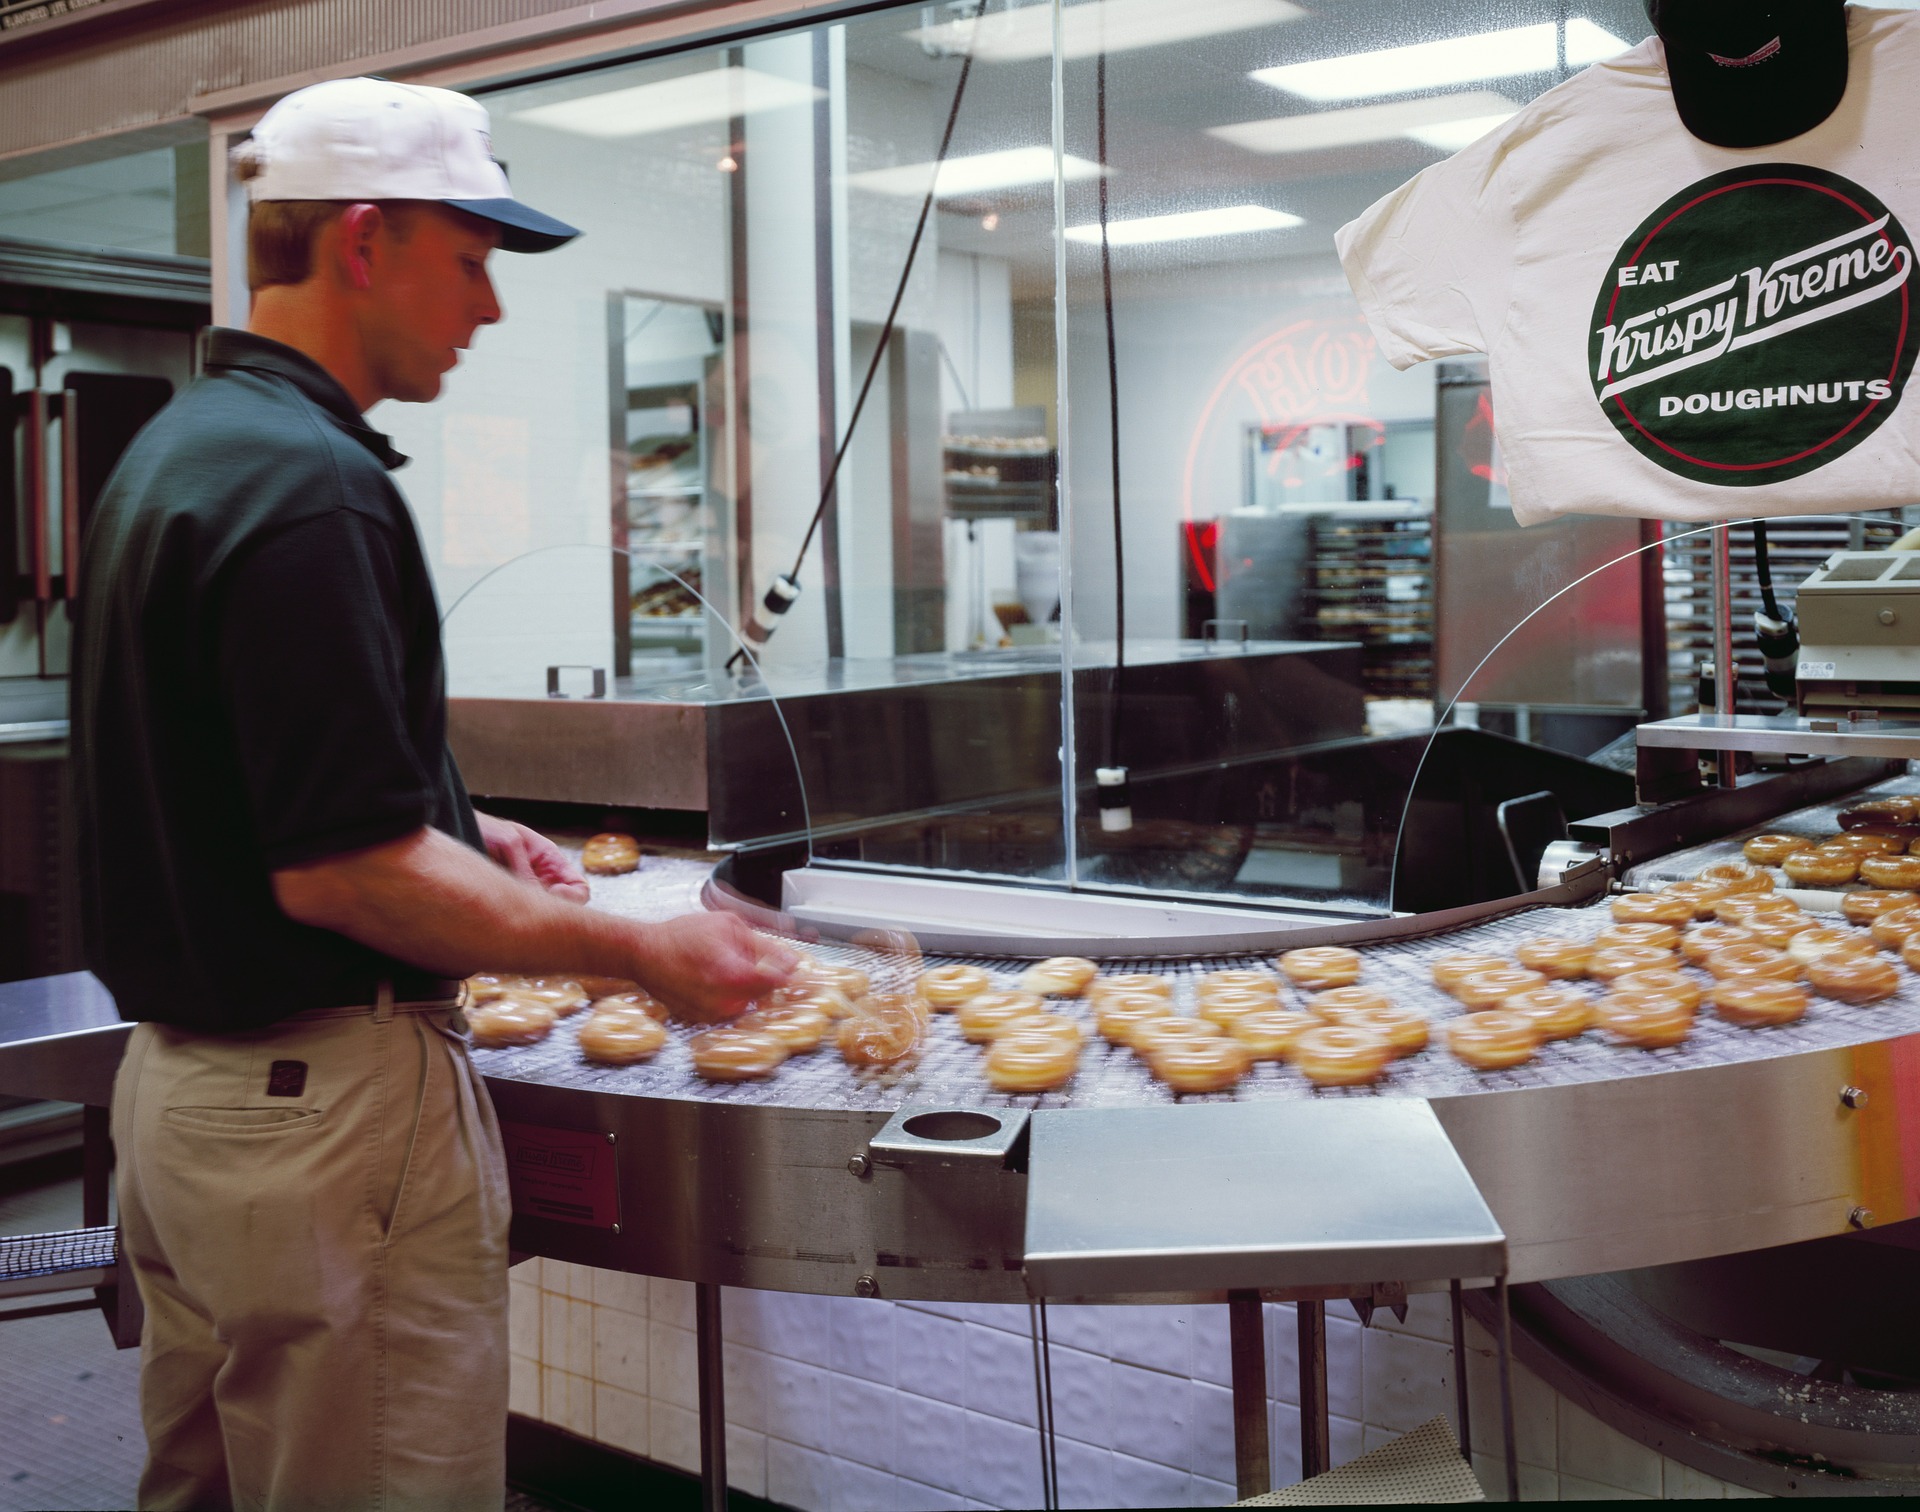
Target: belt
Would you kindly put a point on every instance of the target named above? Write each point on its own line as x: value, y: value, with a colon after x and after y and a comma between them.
x: 383, y: 1007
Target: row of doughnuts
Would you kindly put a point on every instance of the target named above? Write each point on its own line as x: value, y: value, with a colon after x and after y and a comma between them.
x: 1875, y: 846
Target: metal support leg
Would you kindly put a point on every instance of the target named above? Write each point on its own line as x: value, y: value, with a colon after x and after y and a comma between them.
x: 1726, y: 680
x: 1315, y: 1455
x: 1506, y: 1390
x: 1246, y: 1328
x: 713, y: 1399
x: 1460, y: 1374
x: 96, y: 1164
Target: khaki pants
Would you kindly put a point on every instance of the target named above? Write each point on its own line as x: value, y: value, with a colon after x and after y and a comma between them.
x: 317, y: 1217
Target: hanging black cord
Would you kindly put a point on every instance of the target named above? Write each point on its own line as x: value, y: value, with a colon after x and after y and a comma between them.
x: 1763, y: 568
x: 1114, y: 724
x: 893, y: 310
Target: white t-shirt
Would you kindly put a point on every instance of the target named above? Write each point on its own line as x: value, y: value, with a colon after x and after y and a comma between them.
x: 1674, y: 330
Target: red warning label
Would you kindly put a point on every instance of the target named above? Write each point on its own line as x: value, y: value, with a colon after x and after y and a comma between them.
x: 562, y: 1174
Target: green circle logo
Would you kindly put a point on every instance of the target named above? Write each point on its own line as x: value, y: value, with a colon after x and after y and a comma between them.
x: 1756, y: 326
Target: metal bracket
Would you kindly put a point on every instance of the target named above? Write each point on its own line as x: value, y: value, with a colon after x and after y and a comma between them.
x: 940, y: 1135
x: 599, y: 681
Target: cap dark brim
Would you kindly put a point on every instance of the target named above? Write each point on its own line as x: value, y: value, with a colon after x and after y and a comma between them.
x: 1768, y: 102
x: 522, y: 228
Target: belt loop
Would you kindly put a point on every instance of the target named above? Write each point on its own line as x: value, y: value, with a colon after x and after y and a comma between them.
x: 383, y: 1002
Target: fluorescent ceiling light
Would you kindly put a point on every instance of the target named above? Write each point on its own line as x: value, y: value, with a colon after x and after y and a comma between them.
x: 1441, y: 65
x: 1016, y: 36
x: 1319, y: 130
x: 694, y: 99
x: 982, y: 173
x: 1228, y: 220
x: 1451, y: 136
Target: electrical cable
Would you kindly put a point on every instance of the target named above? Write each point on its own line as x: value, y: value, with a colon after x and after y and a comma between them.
x: 785, y: 588
x: 1111, y: 786
x: 1775, y: 631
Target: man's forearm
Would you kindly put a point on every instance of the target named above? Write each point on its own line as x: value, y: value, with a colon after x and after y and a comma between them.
x: 437, y: 904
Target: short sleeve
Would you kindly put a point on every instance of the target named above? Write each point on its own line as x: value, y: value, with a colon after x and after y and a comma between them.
x: 311, y: 670
x: 1430, y: 263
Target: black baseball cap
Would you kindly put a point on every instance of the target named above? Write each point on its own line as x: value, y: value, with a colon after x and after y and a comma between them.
x: 1749, y: 72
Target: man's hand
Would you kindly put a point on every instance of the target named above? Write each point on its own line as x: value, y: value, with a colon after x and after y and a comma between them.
x: 708, y: 966
x: 532, y: 857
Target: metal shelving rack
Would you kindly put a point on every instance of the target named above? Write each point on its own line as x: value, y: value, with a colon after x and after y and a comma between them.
x: 1371, y: 580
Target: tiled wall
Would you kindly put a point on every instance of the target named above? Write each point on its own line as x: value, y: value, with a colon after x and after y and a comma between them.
x: 842, y: 1405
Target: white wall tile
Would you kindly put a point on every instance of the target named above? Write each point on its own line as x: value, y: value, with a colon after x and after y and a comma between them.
x: 862, y: 1338
x: 672, y: 1302
x: 1536, y: 1407
x: 1680, y: 1482
x: 672, y: 1366
x: 620, y: 1419
x: 1158, y: 1337
x: 620, y: 1350
x: 1409, y: 1380
x: 1429, y: 1316
x: 917, y: 1496
x: 566, y: 1401
x: 1087, y: 1328
x: 999, y: 1374
x: 523, y: 1319
x: 1283, y: 1442
x: 676, y: 1436
x: 799, y: 1403
x: 1345, y: 1394
x: 1536, y: 1482
x: 1345, y: 1440
x: 1004, y: 1459
x: 860, y: 1488
x: 746, y: 1460
x: 1592, y: 1451
x: 1151, y: 1415
x: 1082, y: 1396
x: 1202, y: 1492
x: 797, y: 1326
x: 620, y: 1291
x: 865, y: 1423
x: 1009, y: 1317
x: 931, y: 1354
x: 799, y: 1477
x: 1573, y: 1488
x: 1086, y: 1473
x: 566, y: 1334
x: 932, y: 1442
x: 1212, y: 1346
x: 523, y: 1386
x: 744, y: 1377
x: 1211, y: 1431
x: 1142, y: 1483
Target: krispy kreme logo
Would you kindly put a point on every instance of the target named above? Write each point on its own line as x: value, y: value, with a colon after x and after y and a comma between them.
x: 1756, y: 326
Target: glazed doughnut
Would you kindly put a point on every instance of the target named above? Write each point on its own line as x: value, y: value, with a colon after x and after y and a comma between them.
x: 1336, y: 1004
x: 1755, y: 1004
x: 1404, y: 1030
x: 800, y: 1030
x: 1659, y: 936
x: 1880, y: 811
x: 1818, y: 940
x: 1891, y: 871
x: 829, y: 1000
x: 1700, y: 896
x: 1236, y: 981
x: 1771, y: 850
x: 1341, y: 1055
x: 1662, y: 983
x: 1910, y: 952
x: 1737, y: 876
x: 1055, y: 1025
x: 1895, y: 927
x: 1865, y: 907
x: 620, y: 1038
x: 1222, y: 1006
x: 563, y: 995
x: 849, y: 981
x: 1618, y: 960
x: 1866, y: 843
x: 1493, y: 1041
x: 1120, y: 1013
x: 1652, y: 908
x: 1554, y: 957
x: 1776, y: 927
x: 633, y: 1002
x: 597, y: 987
x: 1822, y: 867
x: 1645, y: 1019
x: 485, y: 984
x: 1132, y: 983
x: 1448, y: 970
x: 610, y: 855
x: 1557, y: 1012
x: 1489, y: 989
x: 884, y: 1031
x: 1210, y: 1064
x: 1147, y: 1038
x: 1023, y: 1062
x: 1061, y: 976
x: 1697, y: 944
x: 1321, y: 966
x: 947, y: 987
x: 1270, y: 1034
x: 1853, y: 978
x: 987, y: 1016
x: 510, y: 1021
x: 734, y: 1055
x: 1753, y: 961
x: 1737, y: 908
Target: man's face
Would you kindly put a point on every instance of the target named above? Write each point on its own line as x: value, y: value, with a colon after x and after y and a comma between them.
x: 429, y: 292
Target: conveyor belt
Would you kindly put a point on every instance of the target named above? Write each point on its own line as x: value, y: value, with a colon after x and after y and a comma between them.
x: 949, y: 1069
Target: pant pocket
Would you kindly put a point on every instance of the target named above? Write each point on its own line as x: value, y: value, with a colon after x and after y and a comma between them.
x: 245, y: 1121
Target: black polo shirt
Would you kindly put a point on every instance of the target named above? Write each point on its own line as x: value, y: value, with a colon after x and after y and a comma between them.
x: 257, y: 683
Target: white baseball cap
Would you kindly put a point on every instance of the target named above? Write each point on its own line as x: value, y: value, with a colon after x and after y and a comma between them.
x: 372, y: 139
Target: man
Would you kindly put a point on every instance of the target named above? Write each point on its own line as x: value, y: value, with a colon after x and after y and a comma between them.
x: 282, y: 874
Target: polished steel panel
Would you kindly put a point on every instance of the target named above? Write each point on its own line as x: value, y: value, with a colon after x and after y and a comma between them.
x: 60, y: 1039
x: 1784, y: 734
x: 1226, y: 1196
x: 617, y: 751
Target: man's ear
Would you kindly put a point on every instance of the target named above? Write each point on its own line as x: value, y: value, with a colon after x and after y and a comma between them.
x: 359, y: 225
